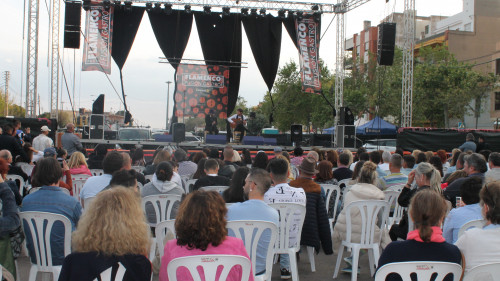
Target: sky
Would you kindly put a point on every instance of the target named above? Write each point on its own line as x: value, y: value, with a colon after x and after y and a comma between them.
x: 144, y: 77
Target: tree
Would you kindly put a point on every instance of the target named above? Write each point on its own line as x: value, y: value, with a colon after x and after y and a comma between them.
x: 14, y: 109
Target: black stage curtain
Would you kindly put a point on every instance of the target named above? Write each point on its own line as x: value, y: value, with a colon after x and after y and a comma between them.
x: 289, y: 23
x: 264, y: 36
x: 220, y: 38
x: 172, y: 33
x: 125, y: 26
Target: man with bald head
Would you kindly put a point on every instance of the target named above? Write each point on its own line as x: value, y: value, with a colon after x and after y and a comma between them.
x: 70, y: 141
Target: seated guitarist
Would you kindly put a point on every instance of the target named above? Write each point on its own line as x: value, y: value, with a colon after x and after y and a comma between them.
x: 238, y: 122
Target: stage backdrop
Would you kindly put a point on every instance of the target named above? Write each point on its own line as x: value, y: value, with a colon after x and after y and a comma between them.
x: 200, y: 88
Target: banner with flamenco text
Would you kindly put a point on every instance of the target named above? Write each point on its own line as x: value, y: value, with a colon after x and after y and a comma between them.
x: 308, y: 43
x: 98, y: 38
x: 200, y: 88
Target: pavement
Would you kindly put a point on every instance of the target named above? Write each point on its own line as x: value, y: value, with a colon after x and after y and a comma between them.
x: 325, y: 266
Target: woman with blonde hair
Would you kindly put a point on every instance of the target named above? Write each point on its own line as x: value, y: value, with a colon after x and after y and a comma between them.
x: 112, y: 232
x: 201, y: 230
x: 161, y: 156
x: 77, y: 164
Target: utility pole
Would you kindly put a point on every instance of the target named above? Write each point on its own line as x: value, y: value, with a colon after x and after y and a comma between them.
x: 168, y: 102
x: 7, y: 78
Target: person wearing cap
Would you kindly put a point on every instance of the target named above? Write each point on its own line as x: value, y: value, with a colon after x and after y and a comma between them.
x: 278, y: 151
x: 316, y: 228
x: 42, y: 141
x: 211, y: 123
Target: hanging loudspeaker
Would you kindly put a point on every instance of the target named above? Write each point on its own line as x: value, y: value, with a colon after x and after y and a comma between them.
x: 346, y: 116
x: 179, y: 132
x: 386, y: 41
x: 98, y: 105
x: 296, y: 133
x: 72, y: 24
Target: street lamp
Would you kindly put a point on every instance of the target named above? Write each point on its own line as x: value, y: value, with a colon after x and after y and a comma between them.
x: 168, y: 102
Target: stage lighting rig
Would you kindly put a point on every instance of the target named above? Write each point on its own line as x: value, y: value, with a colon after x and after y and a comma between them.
x: 253, y: 12
x: 187, y: 8
x: 315, y: 8
x: 128, y: 6
x: 86, y: 5
x: 244, y: 12
x: 262, y: 12
x: 290, y: 14
x: 226, y: 11
x: 117, y: 4
x: 299, y: 15
x: 149, y: 6
x: 157, y: 7
x: 317, y: 16
x: 207, y: 10
x: 168, y: 9
x: 106, y: 4
x: 281, y: 14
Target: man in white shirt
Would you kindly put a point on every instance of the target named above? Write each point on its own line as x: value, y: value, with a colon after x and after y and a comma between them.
x: 281, y: 192
x: 42, y: 141
x: 238, y: 121
x: 494, y: 163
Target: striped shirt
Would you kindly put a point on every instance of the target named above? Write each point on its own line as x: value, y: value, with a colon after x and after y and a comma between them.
x: 392, y: 179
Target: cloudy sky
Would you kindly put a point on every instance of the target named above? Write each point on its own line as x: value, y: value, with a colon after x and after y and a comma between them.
x: 144, y: 76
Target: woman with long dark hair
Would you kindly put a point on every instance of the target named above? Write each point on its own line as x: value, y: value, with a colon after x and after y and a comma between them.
x: 235, y: 191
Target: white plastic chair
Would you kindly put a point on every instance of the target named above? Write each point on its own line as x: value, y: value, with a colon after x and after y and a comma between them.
x: 218, y: 188
x: 398, y: 214
x: 250, y: 231
x: 490, y: 271
x: 368, y: 212
x: 40, y: 237
x: 139, y: 169
x: 107, y: 275
x: 330, y: 189
x: 78, y: 182
x: 19, y: 180
x: 344, y: 182
x: 189, y: 184
x: 96, y: 172
x: 471, y: 224
x: 148, y: 178
x: 292, y: 217
x: 423, y: 269
x: 397, y: 187
x: 162, y: 204
x: 161, y: 232
x: 391, y: 197
x: 210, y: 264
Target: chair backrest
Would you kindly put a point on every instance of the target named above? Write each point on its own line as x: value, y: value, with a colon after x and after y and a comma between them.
x: 96, y: 172
x: 162, y: 204
x: 369, y: 213
x: 18, y: 179
x: 139, y: 185
x: 397, y: 187
x: 398, y: 213
x: 391, y: 196
x: 139, y: 169
x: 210, y: 264
x: 218, y: 188
x: 189, y: 185
x: 330, y: 190
x: 80, y: 177
x: 251, y: 232
x: 148, y: 178
x: 423, y: 269
x: 292, y: 217
x: 40, y: 228
x: 344, y: 183
x: 490, y: 271
x: 78, y: 182
x: 161, y: 232
x: 471, y: 224
x: 107, y: 275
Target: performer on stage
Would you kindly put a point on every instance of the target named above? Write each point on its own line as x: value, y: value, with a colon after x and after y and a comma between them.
x: 211, y: 123
x: 238, y: 122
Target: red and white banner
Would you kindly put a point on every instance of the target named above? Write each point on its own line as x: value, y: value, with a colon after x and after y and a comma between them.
x: 98, y: 37
x: 200, y: 88
x: 308, y: 41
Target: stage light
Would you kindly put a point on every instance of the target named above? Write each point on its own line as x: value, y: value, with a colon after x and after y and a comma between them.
x: 168, y: 9
x: 106, y: 4
x: 128, y: 6
x: 315, y: 7
x: 253, y: 12
x: 187, y: 8
x: 262, y: 12
x: 290, y: 14
x: 299, y: 15
x: 207, y: 10
x: 244, y: 12
x: 157, y: 7
x: 86, y: 5
x: 117, y: 4
x: 281, y: 14
x: 149, y: 6
x: 317, y: 16
x: 226, y: 11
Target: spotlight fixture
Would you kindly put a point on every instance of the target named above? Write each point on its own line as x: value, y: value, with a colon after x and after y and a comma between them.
x: 157, y: 7
x: 315, y: 8
x: 207, y: 10
x: 187, y: 8
x: 281, y: 14
x: 106, y: 4
x: 128, y: 6
x: 226, y: 11
x: 299, y: 15
x: 149, y: 6
x: 117, y: 4
x: 317, y: 16
x: 253, y: 12
x: 86, y: 5
x: 262, y: 12
x: 290, y: 14
x: 244, y: 12
x: 168, y: 9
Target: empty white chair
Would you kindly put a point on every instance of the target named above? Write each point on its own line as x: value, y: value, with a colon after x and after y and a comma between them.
x: 292, y: 217
x: 162, y: 205
x: 423, y: 270
x: 251, y: 232
x: 490, y: 271
x: 369, y: 212
x: 161, y: 231
x: 218, y: 188
x: 40, y: 228
x: 107, y: 275
x: 209, y: 264
x: 96, y: 172
x: 331, y: 190
x: 471, y: 224
x: 78, y: 182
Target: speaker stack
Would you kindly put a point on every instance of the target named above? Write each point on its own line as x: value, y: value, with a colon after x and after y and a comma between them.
x: 296, y: 134
x: 346, y: 116
x: 97, y: 119
x: 179, y: 132
x: 72, y: 24
x: 386, y: 41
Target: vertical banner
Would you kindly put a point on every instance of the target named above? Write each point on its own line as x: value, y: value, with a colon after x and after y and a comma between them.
x: 200, y: 88
x: 308, y: 43
x: 98, y: 37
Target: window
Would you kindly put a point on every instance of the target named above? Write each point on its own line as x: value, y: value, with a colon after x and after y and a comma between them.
x: 497, y: 67
x: 497, y: 101
x: 427, y: 29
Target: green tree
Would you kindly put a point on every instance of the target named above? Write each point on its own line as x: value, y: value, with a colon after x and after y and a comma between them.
x: 14, y: 109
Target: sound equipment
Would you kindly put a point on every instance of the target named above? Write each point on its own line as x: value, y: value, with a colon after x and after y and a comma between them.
x: 296, y: 133
x: 386, y: 41
x: 179, y: 132
x: 270, y: 141
x: 345, y: 136
x: 253, y: 140
x: 346, y: 116
x: 97, y: 126
x: 98, y: 105
x: 216, y: 139
x: 72, y: 25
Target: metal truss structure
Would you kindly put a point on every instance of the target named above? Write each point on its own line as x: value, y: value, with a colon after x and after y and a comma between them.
x: 32, y: 61
x: 408, y: 56
x: 340, y: 57
x: 54, y: 62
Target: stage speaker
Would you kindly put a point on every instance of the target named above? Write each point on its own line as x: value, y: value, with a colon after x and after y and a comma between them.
x: 72, y: 25
x: 98, y: 105
x: 345, y: 136
x: 346, y: 116
x: 179, y: 132
x: 386, y: 41
x: 97, y: 126
x: 296, y: 133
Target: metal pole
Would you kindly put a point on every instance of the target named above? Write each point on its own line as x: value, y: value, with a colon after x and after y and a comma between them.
x: 7, y: 78
x: 168, y: 102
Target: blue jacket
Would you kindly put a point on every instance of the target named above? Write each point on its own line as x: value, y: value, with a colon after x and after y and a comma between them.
x: 9, y: 220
